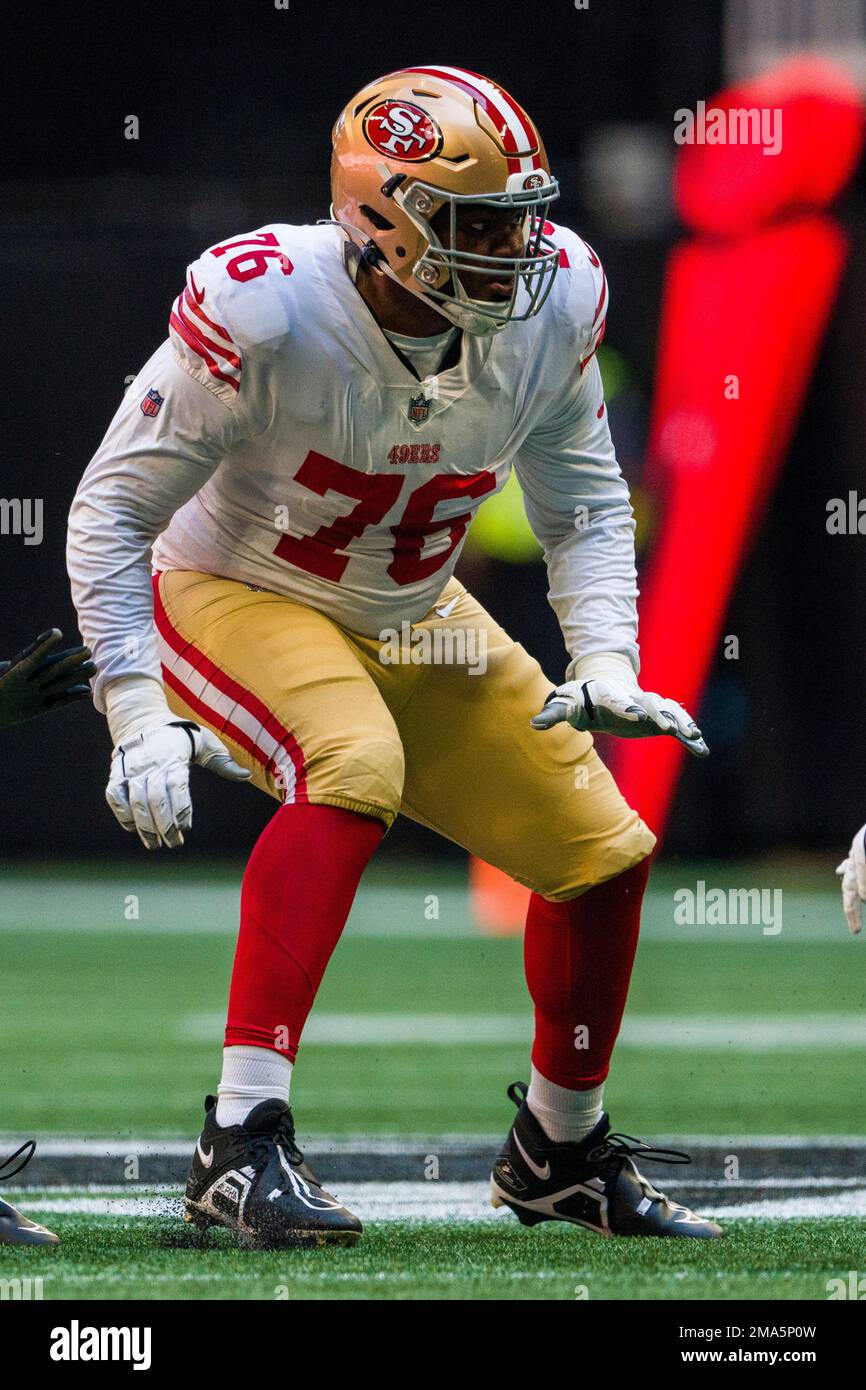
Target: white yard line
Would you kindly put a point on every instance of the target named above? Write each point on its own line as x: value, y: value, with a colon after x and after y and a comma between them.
x: 146, y: 1191
x: 683, y: 1032
x: 444, y: 1201
x: 86, y: 1146
x: 797, y: 1208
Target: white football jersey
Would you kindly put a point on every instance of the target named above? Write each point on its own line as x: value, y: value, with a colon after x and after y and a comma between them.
x: 277, y: 438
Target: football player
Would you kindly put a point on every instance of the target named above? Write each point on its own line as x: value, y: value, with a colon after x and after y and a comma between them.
x: 852, y: 872
x: 39, y: 679
x: 305, y: 454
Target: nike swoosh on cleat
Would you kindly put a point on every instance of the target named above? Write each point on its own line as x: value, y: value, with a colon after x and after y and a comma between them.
x: 205, y: 1159
x: 542, y: 1173
x: 688, y: 1218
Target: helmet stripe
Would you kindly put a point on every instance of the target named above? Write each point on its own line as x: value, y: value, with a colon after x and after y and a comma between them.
x: 509, y: 118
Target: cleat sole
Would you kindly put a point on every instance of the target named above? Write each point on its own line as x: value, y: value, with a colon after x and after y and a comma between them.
x: 527, y: 1218
x: 524, y: 1216
x: 248, y: 1240
x: 29, y: 1238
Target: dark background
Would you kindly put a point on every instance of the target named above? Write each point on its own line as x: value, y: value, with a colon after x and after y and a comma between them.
x: 235, y: 104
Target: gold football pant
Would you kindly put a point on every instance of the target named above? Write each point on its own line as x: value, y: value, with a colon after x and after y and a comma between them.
x: 431, y: 721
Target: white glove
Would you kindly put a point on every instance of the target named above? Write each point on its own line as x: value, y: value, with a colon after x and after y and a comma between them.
x: 852, y: 872
x: 148, y: 789
x: 605, y: 698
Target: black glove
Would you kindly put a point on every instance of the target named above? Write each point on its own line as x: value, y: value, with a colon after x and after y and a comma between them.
x: 41, y: 678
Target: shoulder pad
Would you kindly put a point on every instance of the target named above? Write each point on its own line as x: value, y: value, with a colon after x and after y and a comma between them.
x: 237, y: 299
x: 580, y: 291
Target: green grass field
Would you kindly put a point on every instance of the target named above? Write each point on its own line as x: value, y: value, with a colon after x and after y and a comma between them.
x: 156, y: 1259
x: 111, y: 1028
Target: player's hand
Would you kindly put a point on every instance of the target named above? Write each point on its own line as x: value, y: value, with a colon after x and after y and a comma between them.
x: 41, y: 678
x: 612, y: 707
x: 852, y: 872
x: 148, y: 789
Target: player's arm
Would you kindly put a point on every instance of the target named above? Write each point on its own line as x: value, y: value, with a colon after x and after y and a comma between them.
x: 578, y: 505
x: 147, y: 467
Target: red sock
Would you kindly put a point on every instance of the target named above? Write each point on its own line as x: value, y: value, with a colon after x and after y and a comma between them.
x: 297, y: 891
x: 578, y: 957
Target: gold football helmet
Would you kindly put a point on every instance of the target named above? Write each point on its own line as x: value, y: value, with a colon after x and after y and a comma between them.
x: 417, y: 140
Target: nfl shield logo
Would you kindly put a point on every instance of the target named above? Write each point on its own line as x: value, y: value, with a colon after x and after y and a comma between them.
x: 419, y: 409
x: 151, y: 403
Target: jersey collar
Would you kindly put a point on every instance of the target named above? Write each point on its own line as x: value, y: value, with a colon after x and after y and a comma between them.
x: 359, y: 331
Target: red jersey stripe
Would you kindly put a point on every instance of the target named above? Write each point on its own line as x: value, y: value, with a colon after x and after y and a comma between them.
x: 198, y: 347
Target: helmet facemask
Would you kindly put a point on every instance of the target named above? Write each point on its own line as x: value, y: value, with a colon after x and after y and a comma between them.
x: 440, y: 266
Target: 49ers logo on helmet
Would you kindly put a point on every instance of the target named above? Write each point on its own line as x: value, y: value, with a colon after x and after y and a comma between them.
x: 403, y: 131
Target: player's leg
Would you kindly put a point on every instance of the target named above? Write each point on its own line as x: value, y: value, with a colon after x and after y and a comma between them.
x: 546, y: 811
x: 578, y: 958
x: 282, y: 687
x: 543, y: 808
x: 540, y: 806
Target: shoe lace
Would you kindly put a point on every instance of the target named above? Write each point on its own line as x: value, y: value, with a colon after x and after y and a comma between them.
x: 626, y: 1146
x: 28, y: 1149
x: 283, y: 1136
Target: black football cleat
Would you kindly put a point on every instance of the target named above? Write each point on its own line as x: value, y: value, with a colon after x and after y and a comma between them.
x: 15, y: 1228
x: 18, y: 1229
x: 594, y: 1183
x: 252, y: 1178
